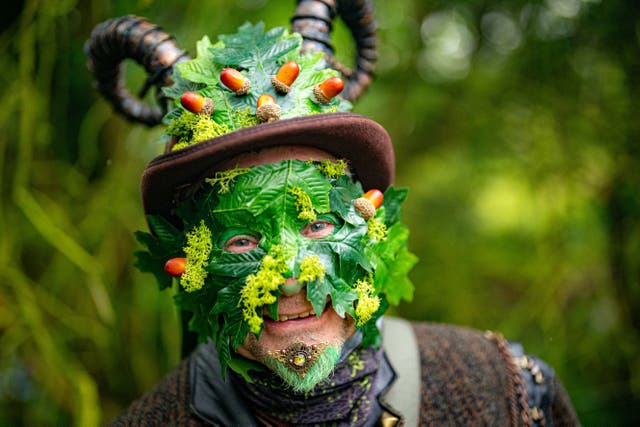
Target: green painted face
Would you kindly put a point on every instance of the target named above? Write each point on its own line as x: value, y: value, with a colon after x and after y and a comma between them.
x: 251, y: 229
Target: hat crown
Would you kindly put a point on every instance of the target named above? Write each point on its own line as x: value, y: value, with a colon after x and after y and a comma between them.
x: 240, y: 71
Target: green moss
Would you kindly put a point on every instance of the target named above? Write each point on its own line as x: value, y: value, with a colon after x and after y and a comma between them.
x: 244, y: 118
x: 225, y: 178
x: 179, y: 146
x: 197, y: 250
x: 303, y: 204
x: 332, y: 169
x: 260, y: 288
x: 191, y: 128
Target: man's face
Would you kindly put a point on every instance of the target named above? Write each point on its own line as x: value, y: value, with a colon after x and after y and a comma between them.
x: 281, y: 214
x: 297, y: 320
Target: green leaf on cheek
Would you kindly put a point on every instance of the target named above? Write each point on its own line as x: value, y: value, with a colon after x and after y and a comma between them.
x: 148, y: 263
x: 196, y: 303
x: 236, y: 328
x: 224, y: 353
x: 399, y: 286
x: 230, y: 265
x: 166, y: 244
x: 272, y: 309
x: 348, y: 245
x: 165, y: 231
x: 342, y: 195
x: 242, y: 367
x: 392, y: 262
x: 393, y: 199
x: 342, y: 298
x: 317, y: 294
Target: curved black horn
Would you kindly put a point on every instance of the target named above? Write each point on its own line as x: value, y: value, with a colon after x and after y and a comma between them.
x: 313, y: 20
x: 132, y: 37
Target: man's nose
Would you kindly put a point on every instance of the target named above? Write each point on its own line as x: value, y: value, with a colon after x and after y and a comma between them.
x: 291, y: 287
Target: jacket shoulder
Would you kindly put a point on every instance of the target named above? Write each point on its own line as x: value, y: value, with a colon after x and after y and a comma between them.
x: 168, y: 403
x: 471, y: 376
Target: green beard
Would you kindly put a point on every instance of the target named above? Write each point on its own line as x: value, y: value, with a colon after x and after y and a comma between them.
x: 361, y: 267
x: 321, y: 368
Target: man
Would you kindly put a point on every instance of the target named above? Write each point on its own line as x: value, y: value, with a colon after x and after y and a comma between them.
x: 276, y: 216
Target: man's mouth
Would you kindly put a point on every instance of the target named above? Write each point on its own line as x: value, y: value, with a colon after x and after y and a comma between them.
x: 285, y: 317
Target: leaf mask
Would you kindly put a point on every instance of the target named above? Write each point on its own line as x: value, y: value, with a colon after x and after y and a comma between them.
x: 360, y: 270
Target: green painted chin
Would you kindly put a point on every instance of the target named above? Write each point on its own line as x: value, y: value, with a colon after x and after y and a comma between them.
x: 322, y: 367
x: 280, y: 208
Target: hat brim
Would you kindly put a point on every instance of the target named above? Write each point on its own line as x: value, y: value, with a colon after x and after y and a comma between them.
x: 364, y: 143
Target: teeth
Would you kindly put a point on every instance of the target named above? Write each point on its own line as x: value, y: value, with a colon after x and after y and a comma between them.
x: 284, y: 318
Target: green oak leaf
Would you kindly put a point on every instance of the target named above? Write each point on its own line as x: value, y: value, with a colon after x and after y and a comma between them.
x: 236, y: 328
x: 266, y: 187
x: 167, y: 243
x: 202, y: 69
x: 148, y: 263
x: 242, y: 366
x: 236, y: 265
x: 392, y: 262
x: 342, y: 298
x: 393, y: 199
x: 180, y: 85
x: 251, y: 47
x: 317, y: 294
x: 166, y: 232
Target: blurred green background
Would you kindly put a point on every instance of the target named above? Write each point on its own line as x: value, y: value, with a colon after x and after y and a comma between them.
x: 516, y: 127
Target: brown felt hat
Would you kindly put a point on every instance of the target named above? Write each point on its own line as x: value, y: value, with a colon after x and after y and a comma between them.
x: 365, y: 144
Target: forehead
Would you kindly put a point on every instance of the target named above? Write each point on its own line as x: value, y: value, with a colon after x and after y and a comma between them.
x: 275, y: 154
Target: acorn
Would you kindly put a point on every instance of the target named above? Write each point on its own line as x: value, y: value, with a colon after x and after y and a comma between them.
x: 328, y: 89
x: 197, y: 103
x: 367, y: 204
x: 175, y: 266
x: 234, y: 80
x: 268, y: 110
x: 286, y: 75
x: 375, y: 196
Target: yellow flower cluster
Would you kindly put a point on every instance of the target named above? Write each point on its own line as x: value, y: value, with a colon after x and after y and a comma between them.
x: 197, y: 250
x: 367, y: 303
x: 303, y: 204
x: 376, y: 230
x: 225, y: 178
x: 332, y: 169
x: 260, y: 287
x: 311, y: 269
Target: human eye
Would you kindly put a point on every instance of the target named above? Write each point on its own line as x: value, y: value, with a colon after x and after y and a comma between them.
x: 318, y: 229
x: 240, y: 243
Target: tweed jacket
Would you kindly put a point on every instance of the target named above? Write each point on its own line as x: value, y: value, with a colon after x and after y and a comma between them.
x: 467, y: 378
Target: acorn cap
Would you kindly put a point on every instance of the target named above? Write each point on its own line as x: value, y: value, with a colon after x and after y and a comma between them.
x: 362, y: 142
x: 268, y: 112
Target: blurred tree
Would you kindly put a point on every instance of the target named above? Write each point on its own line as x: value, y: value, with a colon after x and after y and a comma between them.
x: 515, y: 129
